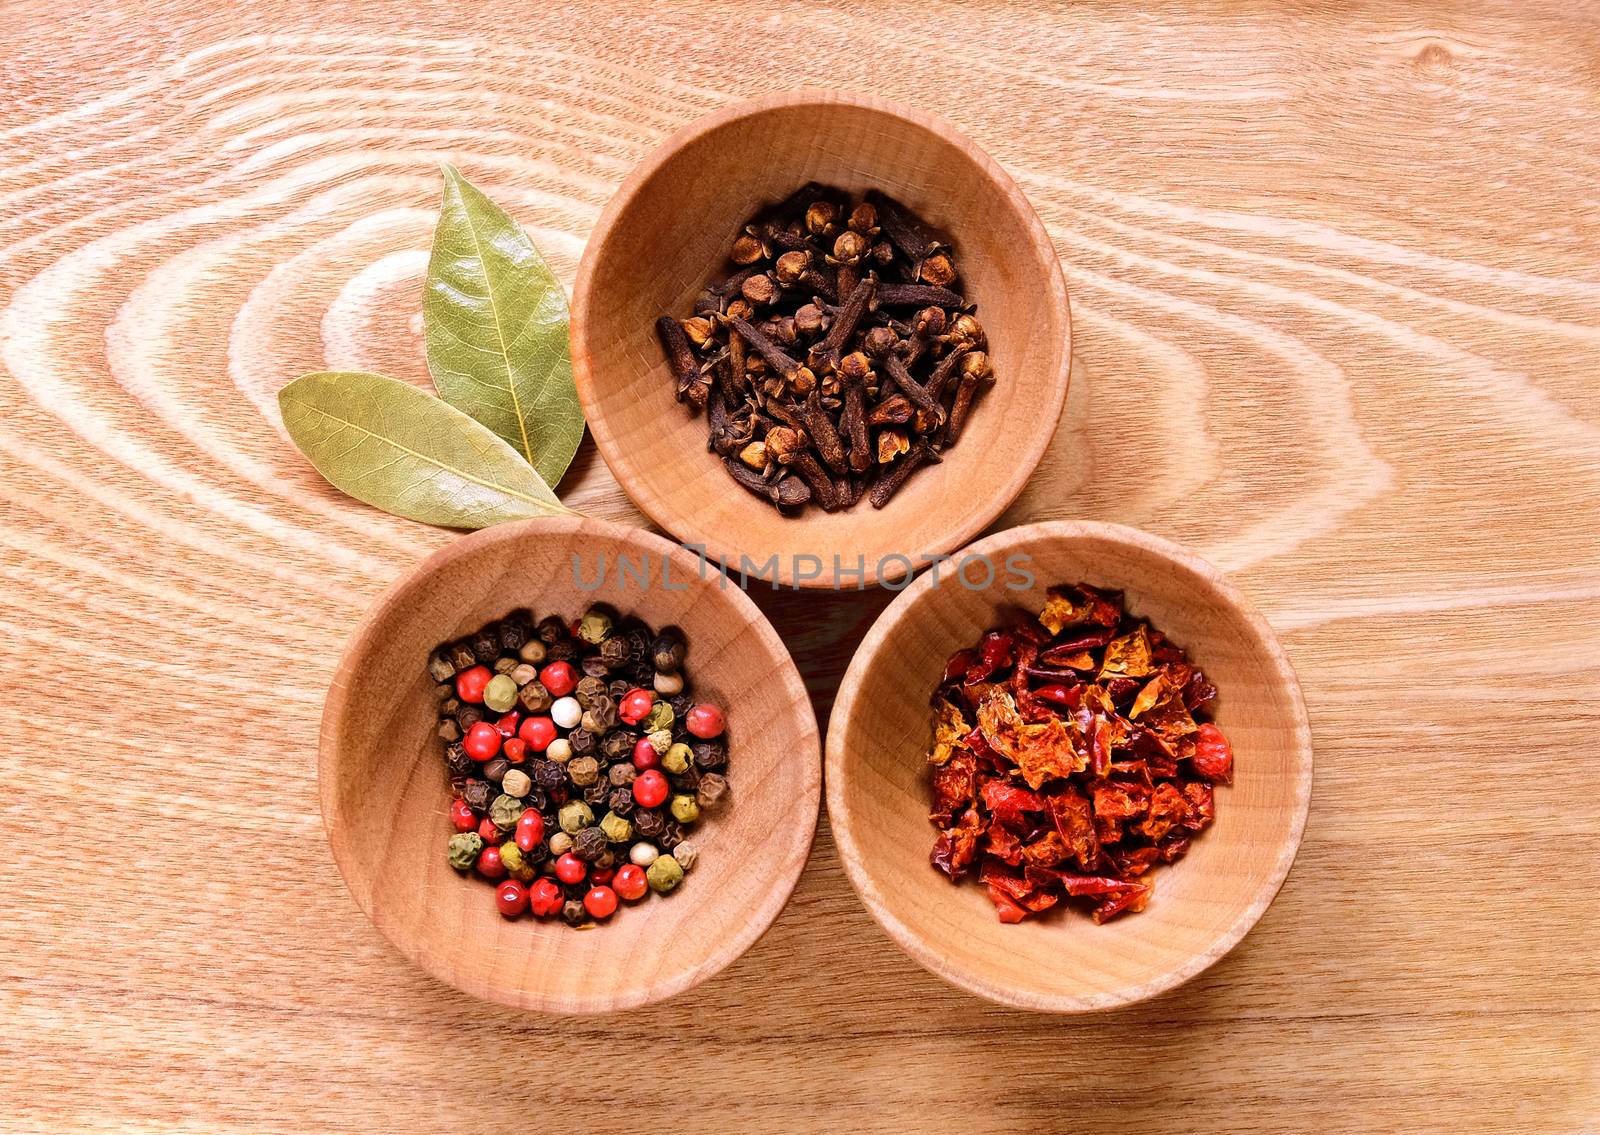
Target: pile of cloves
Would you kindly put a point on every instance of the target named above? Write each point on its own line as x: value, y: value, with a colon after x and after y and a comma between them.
x: 837, y: 358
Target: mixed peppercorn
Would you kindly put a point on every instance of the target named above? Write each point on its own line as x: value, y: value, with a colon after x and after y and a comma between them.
x: 838, y: 356
x: 578, y: 759
x: 1071, y: 755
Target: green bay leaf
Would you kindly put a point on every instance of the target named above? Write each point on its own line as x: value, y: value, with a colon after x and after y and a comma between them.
x: 400, y: 449
x: 496, y: 322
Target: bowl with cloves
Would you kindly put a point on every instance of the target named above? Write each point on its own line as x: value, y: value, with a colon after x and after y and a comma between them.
x: 821, y: 336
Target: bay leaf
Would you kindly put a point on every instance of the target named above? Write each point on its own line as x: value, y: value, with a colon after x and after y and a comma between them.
x: 496, y: 323
x: 400, y: 449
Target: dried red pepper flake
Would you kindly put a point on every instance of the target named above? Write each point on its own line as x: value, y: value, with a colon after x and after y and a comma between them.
x: 1071, y: 757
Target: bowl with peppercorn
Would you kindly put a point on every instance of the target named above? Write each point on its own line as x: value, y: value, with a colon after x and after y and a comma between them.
x: 1076, y: 788
x: 563, y: 769
x: 824, y: 332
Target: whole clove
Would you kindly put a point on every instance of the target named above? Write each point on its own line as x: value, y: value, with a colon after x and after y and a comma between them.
x: 837, y: 355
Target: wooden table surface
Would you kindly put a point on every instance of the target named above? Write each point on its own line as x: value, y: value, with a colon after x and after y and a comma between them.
x: 1336, y: 290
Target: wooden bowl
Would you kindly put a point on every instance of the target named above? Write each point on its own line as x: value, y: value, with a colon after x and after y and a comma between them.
x: 878, y: 799
x: 667, y: 232
x: 385, y: 795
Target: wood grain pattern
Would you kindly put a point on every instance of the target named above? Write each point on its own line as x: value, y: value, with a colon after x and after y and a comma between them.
x: 1337, y: 308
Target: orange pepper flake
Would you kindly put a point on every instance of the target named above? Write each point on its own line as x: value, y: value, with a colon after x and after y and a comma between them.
x: 1093, y: 759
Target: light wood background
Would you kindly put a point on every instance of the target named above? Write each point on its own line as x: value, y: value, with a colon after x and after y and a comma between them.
x: 1336, y: 287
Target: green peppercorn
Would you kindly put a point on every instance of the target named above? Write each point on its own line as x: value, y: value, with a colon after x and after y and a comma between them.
x: 574, y: 816
x: 664, y: 874
x: 660, y: 740
x: 584, y: 771
x: 464, y: 849
x: 659, y: 717
x: 616, y: 828
x: 506, y: 811
x: 677, y: 757
x: 684, y: 809
x: 516, y: 864
x: 595, y: 626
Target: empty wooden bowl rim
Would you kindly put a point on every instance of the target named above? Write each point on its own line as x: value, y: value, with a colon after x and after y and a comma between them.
x: 747, y: 928
x: 841, y: 822
x: 1030, y: 443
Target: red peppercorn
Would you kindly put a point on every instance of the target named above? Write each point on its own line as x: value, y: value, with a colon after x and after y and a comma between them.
x: 488, y: 832
x: 601, y: 902
x: 645, y: 755
x: 538, y: 732
x: 482, y: 741
x: 705, y: 721
x: 507, y: 725
x: 511, y: 897
x: 470, y: 683
x: 571, y: 869
x: 544, y: 898
x: 649, y: 789
x: 461, y: 815
x: 489, y: 865
x: 630, y: 882
x: 635, y: 706
x: 559, y: 678
x: 530, y: 830
x: 514, y: 750
x: 602, y: 878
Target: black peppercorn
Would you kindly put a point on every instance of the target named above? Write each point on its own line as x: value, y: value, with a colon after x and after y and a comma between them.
x: 468, y: 716
x: 710, y: 756
x: 597, y: 793
x: 621, y: 775
x: 712, y: 788
x: 534, y: 697
x: 496, y: 769
x: 486, y: 645
x: 588, y: 689
x: 462, y: 657
x: 448, y: 707
x: 671, y: 836
x: 617, y: 744
x: 477, y: 794
x: 572, y: 912
x: 547, y: 774
x: 589, y: 843
x: 649, y: 823
x: 595, y: 666
x: 621, y: 801
x: 640, y: 673
x: 667, y: 651
x: 552, y: 629
x: 537, y: 800
x: 564, y: 650
x: 619, y: 688
x: 582, y: 742
x: 615, y: 652
x: 449, y: 731
x: 440, y: 667
x: 681, y: 705
x: 457, y: 761
x: 513, y: 632
x: 602, y: 715
x: 540, y: 852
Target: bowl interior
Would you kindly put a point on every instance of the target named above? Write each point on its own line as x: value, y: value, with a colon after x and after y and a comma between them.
x: 385, y: 794
x: 878, y: 791
x: 668, y: 233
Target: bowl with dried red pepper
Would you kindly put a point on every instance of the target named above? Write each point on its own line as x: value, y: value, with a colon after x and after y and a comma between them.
x: 563, y: 769
x: 1076, y: 787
